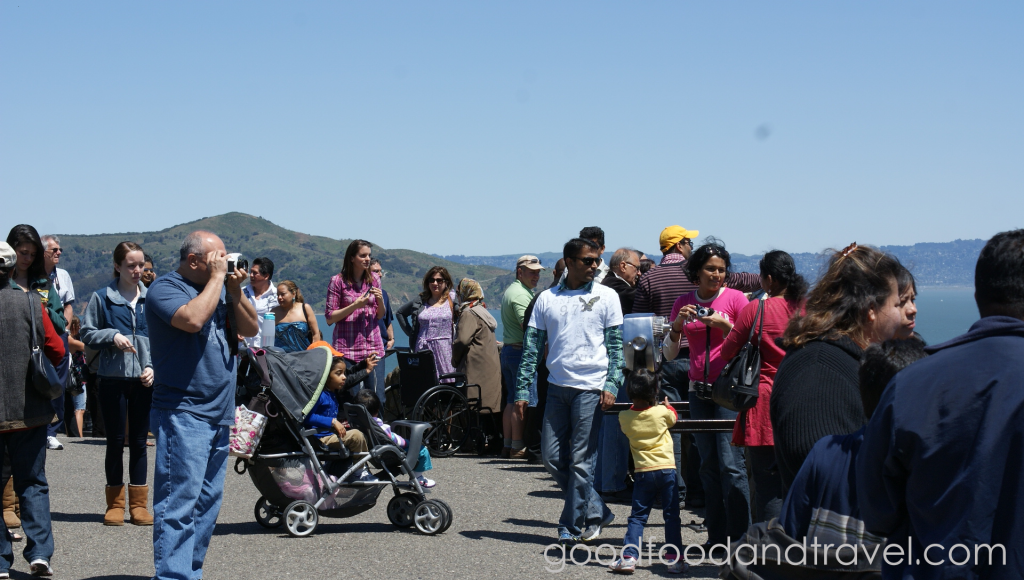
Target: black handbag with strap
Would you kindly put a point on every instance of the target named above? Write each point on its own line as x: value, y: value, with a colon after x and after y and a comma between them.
x: 44, y: 376
x: 737, y: 386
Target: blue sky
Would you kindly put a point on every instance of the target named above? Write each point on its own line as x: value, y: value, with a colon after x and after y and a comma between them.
x: 500, y: 127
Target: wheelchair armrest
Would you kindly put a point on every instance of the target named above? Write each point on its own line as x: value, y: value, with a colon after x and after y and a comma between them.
x: 452, y: 376
x: 416, y: 431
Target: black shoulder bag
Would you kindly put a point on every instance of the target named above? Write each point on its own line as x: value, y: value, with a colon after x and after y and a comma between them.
x: 44, y: 376
x: 737, y: 386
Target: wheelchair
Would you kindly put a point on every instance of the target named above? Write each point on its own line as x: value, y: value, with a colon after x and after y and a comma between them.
x: 451, y: 408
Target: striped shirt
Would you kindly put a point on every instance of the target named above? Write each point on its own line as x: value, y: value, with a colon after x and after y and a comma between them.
x: 661, y: 285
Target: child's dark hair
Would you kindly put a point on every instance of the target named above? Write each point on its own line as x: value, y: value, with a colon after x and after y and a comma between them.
x: 339, y: 361
x: 642, y: 385
x: 368, y: 399
x: 881, y: 363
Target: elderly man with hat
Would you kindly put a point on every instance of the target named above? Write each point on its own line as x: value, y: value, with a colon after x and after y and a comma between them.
x: 655, y: 294
x: 513, y: 309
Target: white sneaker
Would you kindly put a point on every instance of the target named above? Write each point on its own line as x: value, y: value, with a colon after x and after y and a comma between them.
x: 365, y: 475
x: 52, y: 443
x: 424, y: 482
x: 40, y: 567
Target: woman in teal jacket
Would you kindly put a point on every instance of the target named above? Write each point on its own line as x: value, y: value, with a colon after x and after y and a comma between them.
x: 115, y: 325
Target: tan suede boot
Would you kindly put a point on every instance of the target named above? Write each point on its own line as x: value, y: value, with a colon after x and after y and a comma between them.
x: 138, y: 497
x: 10, y: 502
x: 115, y: 506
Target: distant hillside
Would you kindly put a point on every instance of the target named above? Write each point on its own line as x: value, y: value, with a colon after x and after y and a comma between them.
x: 309, y: 261
x: 933, y: 264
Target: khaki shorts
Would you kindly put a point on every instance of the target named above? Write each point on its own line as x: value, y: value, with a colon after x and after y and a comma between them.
x: 353, y: 440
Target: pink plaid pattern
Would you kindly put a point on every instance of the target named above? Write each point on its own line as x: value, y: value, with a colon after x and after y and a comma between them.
x: 357, y: 336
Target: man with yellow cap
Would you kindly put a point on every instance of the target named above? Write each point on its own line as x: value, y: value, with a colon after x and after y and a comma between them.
x: 655, y: 294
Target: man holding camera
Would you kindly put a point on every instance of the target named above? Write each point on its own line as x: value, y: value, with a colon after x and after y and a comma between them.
x: 194, y: 315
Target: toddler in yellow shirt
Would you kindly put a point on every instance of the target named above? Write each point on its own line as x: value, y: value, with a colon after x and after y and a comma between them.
x: 646, y: 424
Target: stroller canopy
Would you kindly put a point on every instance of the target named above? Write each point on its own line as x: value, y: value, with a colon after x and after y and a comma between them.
x: 296, y: 379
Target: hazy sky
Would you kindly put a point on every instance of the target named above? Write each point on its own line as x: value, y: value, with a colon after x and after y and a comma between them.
x: 504, y: 127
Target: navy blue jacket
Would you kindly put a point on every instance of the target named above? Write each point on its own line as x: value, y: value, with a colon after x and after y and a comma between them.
x: 943, y: 456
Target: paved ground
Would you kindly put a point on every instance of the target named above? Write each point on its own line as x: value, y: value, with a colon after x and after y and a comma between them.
x: 504, y: 513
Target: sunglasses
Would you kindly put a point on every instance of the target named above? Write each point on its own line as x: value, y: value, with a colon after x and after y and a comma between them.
x: 438, y: 281
x: 56, y: 251
x: 588, y: 262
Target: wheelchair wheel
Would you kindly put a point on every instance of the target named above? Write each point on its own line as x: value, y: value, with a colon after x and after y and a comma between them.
x: 401, y: 508
x: 448, y: 514
x: 448, y: 412
x: 267, y: 514
x: 392, y: 409
x: 430, y: 517
x: 300, y: 518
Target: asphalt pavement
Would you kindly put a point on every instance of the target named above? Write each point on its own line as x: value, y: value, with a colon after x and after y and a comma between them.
x: 504, y: 518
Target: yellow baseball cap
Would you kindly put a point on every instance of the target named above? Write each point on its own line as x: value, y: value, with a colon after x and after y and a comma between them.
x: 671, y: 236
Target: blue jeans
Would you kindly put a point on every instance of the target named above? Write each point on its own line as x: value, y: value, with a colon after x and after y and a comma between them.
x: 510, y: 358
x: 188, y: 486
x: 724, y: 475
x: 648, y: 485
x: 612, y: 452
x: 572, y: 419
x: 675, y: 382
x: 27, y: 450
x: 58, y: 404
x: 379, y: 376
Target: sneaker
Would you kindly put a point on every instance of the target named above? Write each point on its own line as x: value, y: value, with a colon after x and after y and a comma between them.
x: 365, y: 475
x: 52, y: 443
x: 40, y: 567
x: 678, y: 567
x: 624, y: 565
x: 593, y: 531
x: 5, y: 575
x: 567, y: 539
x: 426, y: 483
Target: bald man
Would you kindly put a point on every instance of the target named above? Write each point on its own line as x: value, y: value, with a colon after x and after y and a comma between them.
x: 194, y: 315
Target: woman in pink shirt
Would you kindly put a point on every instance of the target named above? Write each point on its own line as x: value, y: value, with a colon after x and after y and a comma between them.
x: 784, y: 295
x: 354, y: 304
x: 722, y: 469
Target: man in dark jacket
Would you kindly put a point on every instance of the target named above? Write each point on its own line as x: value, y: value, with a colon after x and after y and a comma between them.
x: 623, y: 270
x: 941, y: 469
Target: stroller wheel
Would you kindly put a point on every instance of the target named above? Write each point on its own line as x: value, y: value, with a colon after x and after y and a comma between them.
x: 300, y: 518
x: 448, y: 514
x: 267, y: 514
x: 430, y: 517
x: 401, y: 509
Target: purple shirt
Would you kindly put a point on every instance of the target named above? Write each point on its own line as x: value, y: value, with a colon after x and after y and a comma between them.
x: 358, y: 335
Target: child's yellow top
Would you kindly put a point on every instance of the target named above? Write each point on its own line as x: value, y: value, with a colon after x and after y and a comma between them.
x: 649, y: 439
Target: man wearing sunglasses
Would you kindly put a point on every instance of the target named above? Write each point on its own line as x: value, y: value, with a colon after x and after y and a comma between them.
x: 61, y: 281
x: 581, y: 322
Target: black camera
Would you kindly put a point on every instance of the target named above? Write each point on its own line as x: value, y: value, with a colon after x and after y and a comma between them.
x: 703, y: 390
x: 703, y: 311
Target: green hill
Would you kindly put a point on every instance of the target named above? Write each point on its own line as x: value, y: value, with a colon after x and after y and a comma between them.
x: 309, y: 261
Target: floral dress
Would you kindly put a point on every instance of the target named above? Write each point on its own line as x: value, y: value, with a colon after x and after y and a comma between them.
x: 436, y: 336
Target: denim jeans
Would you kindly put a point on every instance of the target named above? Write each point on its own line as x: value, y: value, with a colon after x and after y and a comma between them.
x: 572, y: 419
x: 510, y: 359
x: 125, y: 399
x: 674, y: 384
x: 648, y: 486
x: 379, y: 377
x: 724, y: 475
x: 612, y: 452
x: 27, y: 450
x: 765, y: 483
x: 58, y: 404
x: 188, y: 486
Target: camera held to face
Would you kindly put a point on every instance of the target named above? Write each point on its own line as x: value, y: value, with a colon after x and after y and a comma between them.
x: 703, y: 311
x: 237, y: 262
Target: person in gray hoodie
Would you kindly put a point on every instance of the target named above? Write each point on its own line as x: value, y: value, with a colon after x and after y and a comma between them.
x: 115, y: 326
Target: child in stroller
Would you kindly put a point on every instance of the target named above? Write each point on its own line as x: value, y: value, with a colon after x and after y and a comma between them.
x: 369, y: 400
x: 324, y: 415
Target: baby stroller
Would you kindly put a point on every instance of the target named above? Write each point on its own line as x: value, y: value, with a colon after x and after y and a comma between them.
x: 300, y: 479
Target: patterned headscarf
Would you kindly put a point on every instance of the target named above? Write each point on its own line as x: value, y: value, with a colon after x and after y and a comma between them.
x: 470, y: 294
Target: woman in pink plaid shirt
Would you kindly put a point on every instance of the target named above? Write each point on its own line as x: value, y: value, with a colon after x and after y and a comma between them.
x: 354, y: 304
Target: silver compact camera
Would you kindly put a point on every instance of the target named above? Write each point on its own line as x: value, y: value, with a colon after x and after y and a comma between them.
x: 703, y: 311
x: 236, y: 262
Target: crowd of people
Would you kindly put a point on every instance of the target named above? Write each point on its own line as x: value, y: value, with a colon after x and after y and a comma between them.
x: 856, y: 436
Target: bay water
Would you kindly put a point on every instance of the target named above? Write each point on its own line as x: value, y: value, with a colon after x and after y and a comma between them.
x: 942, y: 313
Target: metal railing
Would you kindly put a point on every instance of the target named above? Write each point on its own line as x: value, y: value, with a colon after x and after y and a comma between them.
x: 685, y: 424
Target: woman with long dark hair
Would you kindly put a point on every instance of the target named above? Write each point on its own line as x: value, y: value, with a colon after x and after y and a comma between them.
x: 115, y: 326
x: 907, y: 287
x: 354, y: 305
x: 29, y: 274
x: 722, y: 469
x: 784, y: 291
x: 25, y: 412
x: 429, y: 319
x: 816, y: 390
